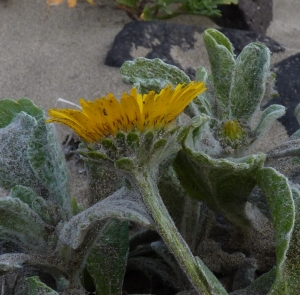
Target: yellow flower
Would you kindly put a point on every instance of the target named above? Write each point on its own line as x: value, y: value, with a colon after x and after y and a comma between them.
x: 71, y: 3
x: 142, y: 16
x: 107, y: 116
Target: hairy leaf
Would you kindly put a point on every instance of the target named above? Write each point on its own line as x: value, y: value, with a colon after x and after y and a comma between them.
x: 42, y: 207
x: 36, y: 287
x: 48, y: 163
x: 215, y: 286
x: 264, y: 282
x: 249, y: 80
x: 9, y: 108
x: 297, y: 113
x: 202, y: 103
x: 221, y: 58
x: 269, y: 115
x: 20, y: 224
x: 14, y: 163
x: 289, y: 148
x: 223, y: 184
x: 151, y: 74
x: 190, y: 216
x: 277, y: 190
x: 107, y: 260
x: 12, y: 261
x: 103, y: 180
x: 123, y: 204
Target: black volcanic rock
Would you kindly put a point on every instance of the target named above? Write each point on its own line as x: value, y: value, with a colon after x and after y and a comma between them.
x: 251, y: 15
x: 288, y: 87
x: 159, y: 37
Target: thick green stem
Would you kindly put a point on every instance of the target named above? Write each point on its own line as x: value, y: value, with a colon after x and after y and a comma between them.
x: 168, y: 231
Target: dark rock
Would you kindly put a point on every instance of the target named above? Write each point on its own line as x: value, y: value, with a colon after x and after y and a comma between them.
x: 245, y: 275
x: 288, y: 87
x: 251, y: 15
x: 240, y: 39
x: 157, y: 38
x: 258, y: 14
x: 232, y: 17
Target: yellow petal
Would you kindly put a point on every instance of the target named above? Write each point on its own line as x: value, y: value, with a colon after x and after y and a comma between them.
x: 53, y: 2
x: 70, y: 118
x: 115, y: 112
x: 162, y: 106
x: 72, y: 3
x: 98, y: 117
x: 184, y: 95
x: 106, y: 115
x: 131, y: 110
x: 92, y: 2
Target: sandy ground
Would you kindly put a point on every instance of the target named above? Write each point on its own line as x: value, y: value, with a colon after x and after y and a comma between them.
x: 51, y: 52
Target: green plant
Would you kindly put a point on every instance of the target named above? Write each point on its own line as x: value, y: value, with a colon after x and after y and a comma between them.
x: 164, y: 9
x: 158, y: 186
x: 160, y: 9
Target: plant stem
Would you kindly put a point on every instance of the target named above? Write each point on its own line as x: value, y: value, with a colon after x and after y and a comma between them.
x: 166, y: 228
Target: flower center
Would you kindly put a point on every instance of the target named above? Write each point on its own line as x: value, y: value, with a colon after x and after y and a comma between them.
x: 232, y: 130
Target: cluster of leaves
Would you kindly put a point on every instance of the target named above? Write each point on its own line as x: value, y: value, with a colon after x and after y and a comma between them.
x: 161, y: 9
x: 42, y: 226
x: 164, y: 9
x: 50, y: 245
x: 215, y: 167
